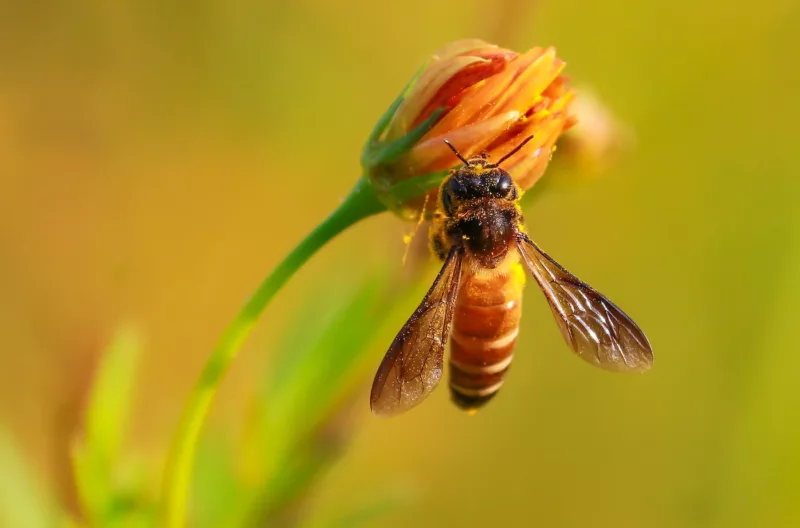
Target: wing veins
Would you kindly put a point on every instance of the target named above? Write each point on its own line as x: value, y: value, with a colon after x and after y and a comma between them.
x: 413, y: 364
x: 590, y: 322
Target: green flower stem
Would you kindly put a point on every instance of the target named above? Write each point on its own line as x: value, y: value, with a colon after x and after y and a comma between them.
x: 360, y: 203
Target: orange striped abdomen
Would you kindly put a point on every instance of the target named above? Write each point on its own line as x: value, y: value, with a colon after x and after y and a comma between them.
x: 485, y: 328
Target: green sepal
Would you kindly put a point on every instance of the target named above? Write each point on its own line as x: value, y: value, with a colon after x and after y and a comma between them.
x: 390, y: 152
x: 387, y: 116
x: 419, y: 186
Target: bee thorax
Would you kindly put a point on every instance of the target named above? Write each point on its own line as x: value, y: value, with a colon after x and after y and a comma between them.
x: 487, y: 232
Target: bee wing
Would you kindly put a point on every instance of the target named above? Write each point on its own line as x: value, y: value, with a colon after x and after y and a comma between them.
x: 413, y: 365
x: 595, y: 328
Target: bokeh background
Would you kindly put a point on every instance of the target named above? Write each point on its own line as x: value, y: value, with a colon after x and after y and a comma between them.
x: 158, y: 159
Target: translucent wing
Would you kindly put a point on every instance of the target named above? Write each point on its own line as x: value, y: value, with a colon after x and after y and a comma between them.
x: 595, y: 328
x: 413, y: 365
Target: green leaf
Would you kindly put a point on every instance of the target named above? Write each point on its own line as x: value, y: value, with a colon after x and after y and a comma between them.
x: 361, y: 203
x: 368, y: 513
x: 217, y: 492
x: 313, y: 379
x: 22, y: 502
x: 300, y: 430
x: 67, y: 521
x: 295, y: 432
x: 95, y: 454
x: 110, y: 401
x: 91, y: 481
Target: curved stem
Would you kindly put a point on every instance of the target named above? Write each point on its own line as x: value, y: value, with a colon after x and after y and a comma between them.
x: 360, y: 203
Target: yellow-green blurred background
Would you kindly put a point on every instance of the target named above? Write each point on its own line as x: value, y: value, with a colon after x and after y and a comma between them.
x: 157, y: 159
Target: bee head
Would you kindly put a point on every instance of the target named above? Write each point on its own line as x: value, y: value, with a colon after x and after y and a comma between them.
x: 473, y: 182
x: 478, y: 178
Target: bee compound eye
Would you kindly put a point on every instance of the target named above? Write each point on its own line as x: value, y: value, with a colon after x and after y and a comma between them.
x: 457, y: 189
x: 447, y: 201
x: 504, y: 187
x: 453, y: 192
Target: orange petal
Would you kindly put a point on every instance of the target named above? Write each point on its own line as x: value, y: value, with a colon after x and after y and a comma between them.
x: 438, y: 73
x: 453, y: 89
x: 476, y: 102
x: 462, y: 47
x: 528, y: 168
x: 433, y: 155
x: 531, y: 83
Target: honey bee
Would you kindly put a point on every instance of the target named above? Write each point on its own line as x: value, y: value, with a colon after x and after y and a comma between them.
x: 478, y: 232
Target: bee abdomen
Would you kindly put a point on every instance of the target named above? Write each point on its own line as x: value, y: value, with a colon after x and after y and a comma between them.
x: 485, y: 328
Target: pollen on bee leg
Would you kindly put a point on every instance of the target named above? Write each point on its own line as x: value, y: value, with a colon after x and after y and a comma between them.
x: 409, y: 237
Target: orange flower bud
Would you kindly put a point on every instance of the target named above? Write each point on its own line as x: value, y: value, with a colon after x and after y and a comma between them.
x: 482, y: 98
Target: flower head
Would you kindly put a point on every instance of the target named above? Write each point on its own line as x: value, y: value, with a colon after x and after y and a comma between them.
x: 600, y: 138
x: 480, y: 97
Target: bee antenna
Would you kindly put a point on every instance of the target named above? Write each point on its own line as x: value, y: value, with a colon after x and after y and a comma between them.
x: 513, y: 151
x: 456, y: 152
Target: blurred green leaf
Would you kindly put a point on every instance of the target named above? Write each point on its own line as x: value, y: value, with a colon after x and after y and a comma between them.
x: 112, y: 392
x: 367, y: 513
x: 90, y: 481
x: 95, y: 454
x: 299, y: 425
x: 69, y: 522
x: 130, y: 515
x: 22, y: 501
x: 312, y: 380
x: 217, y: 492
